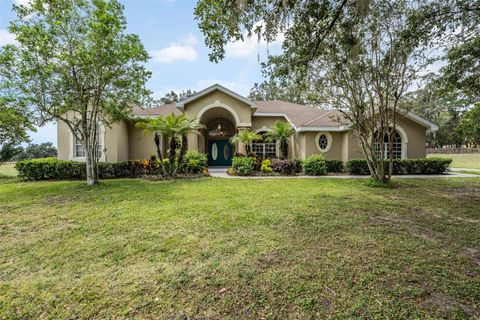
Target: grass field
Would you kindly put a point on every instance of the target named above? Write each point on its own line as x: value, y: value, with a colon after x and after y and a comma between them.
x: 240, y: 249
x: 468, y: 161
x: 8, y: 170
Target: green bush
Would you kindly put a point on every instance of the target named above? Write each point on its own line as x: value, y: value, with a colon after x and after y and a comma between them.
x: 334, y: 166
x: 404, y: 166
x: 357, y: 166
x: 266, y: 166
x: 314, y: 165
x: 243, y: 166
x: 195, y: 162
x: 54, y: 169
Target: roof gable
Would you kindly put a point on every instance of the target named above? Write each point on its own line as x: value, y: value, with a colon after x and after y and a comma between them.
x: 181, y: 104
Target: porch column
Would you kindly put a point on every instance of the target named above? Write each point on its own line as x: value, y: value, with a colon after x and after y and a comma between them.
x: 241, y: 146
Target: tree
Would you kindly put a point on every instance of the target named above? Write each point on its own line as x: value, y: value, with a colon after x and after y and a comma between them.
x: 172, y: 96
x: 8, y: 151
x: 274, y: 89
x: 174, y: 128
x: 34, y: 151
x: 246, y: 137
x: 281, y: 133
x: 361, y: 56
x: 469, y: 127
x: 76, y: 64
x: 15, y: 116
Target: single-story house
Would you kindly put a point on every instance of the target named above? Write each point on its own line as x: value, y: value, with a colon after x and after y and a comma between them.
x: 224, y: 112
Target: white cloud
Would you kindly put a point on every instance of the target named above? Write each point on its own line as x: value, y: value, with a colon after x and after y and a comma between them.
x: 181, y: 51
x: 22, y: 2
x: 250, y: 45
x: 7, y: 38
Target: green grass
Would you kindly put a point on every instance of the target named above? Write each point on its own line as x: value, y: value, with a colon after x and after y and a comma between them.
x: 468, y: 161
x: 8, y: 170
x: 282, y: 249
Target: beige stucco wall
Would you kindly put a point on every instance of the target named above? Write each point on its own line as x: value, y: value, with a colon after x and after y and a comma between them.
x: 116, y: 142
x: 141, y: 145
x: 416, y: 137
x: 63, y: 141
x: 218, y: 98
x: 310, y: 145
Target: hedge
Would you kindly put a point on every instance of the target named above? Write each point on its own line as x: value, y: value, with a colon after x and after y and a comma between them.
x: 54, y: 169
x: 286, y: 166
x: 403, y: 166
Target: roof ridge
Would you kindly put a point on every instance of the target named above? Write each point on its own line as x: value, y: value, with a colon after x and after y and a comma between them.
x: 320, y: 116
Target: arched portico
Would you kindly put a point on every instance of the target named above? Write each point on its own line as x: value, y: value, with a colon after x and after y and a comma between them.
x: 220, y: 123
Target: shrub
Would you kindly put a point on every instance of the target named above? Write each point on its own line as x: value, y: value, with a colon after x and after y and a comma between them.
x: 195, y: 162
x: 404, y: 166
x: 54, y: 169
x: 334, y: 166
x: 314, y: 165
x: 266, y: 166
x: 286, y: 166
x: 243, y: 166
x: 357, y: 166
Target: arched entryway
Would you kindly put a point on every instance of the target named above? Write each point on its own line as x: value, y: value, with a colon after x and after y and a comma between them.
x: 219, y: 127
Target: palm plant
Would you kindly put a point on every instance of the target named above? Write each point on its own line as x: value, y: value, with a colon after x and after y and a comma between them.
x: 246, y: 137
x: 187, y: 125
x: 281, y: 133
x: 173, y: 128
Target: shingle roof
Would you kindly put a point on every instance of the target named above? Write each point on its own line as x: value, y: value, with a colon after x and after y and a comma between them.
x: 299, y: 115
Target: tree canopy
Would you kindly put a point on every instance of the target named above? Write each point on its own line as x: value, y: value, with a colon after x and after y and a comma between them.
x: 75, y: 63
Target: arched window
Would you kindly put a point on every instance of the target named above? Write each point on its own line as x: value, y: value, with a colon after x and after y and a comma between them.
x: 263, y: 148
x: 396, y: 146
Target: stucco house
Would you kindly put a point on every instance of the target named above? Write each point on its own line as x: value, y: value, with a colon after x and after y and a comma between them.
x: 224, y: 112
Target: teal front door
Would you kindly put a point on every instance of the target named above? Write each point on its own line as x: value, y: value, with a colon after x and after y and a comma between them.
x: 220, y: 153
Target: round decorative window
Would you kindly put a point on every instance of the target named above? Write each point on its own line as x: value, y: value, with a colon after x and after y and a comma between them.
x: 323, y: 141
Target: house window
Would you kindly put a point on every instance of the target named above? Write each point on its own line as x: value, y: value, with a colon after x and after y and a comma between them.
x: 323, y: 141
x: 264, y: 149
x: 396, y: 146
x: 79, y: 150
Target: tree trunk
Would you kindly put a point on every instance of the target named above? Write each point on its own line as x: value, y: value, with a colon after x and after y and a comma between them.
x: 172, y: 152
x: 159, y: 153
x: 284, y: 149
x: 183, y: 151
x: 91, y: 165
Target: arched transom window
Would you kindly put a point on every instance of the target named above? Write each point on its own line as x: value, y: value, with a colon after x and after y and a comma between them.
x: 396, y: 146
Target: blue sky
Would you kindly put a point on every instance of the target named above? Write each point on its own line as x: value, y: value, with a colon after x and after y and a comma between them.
x: 179, y: 57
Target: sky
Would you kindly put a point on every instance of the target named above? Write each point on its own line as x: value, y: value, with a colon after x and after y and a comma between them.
x: 179, y: 58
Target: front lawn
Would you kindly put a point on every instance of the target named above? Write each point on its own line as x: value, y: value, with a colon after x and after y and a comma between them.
x: 240, y: 249
x: 8, y: 170
x: 469, y: 160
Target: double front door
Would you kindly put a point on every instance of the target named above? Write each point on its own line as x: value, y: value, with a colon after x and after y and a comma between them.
x: 220, y: 153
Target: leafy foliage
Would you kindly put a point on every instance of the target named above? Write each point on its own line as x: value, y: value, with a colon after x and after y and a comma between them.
x: 243, y: 166
x: 174, y: 128
x: 195, y: 162
x: 34, y: 151
x: 404, y: 166
x: 266, y: 166
x: 246, y: 137
x: 75, y: 63
x: 469, y: 126
x: 286, y: 166
x: 314, y: 165
x: 172, y: 96
x: 281, y: 133
x: 8, y: 151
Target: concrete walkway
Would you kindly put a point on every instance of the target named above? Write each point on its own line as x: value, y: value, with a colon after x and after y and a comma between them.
x: 221, y: 172
x: 464, y: 169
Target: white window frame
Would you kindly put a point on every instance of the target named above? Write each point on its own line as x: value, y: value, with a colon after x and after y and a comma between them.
x: 277, y: 144
x: 329, y: 141
x: 404, y: 138
x: 101, y: 142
